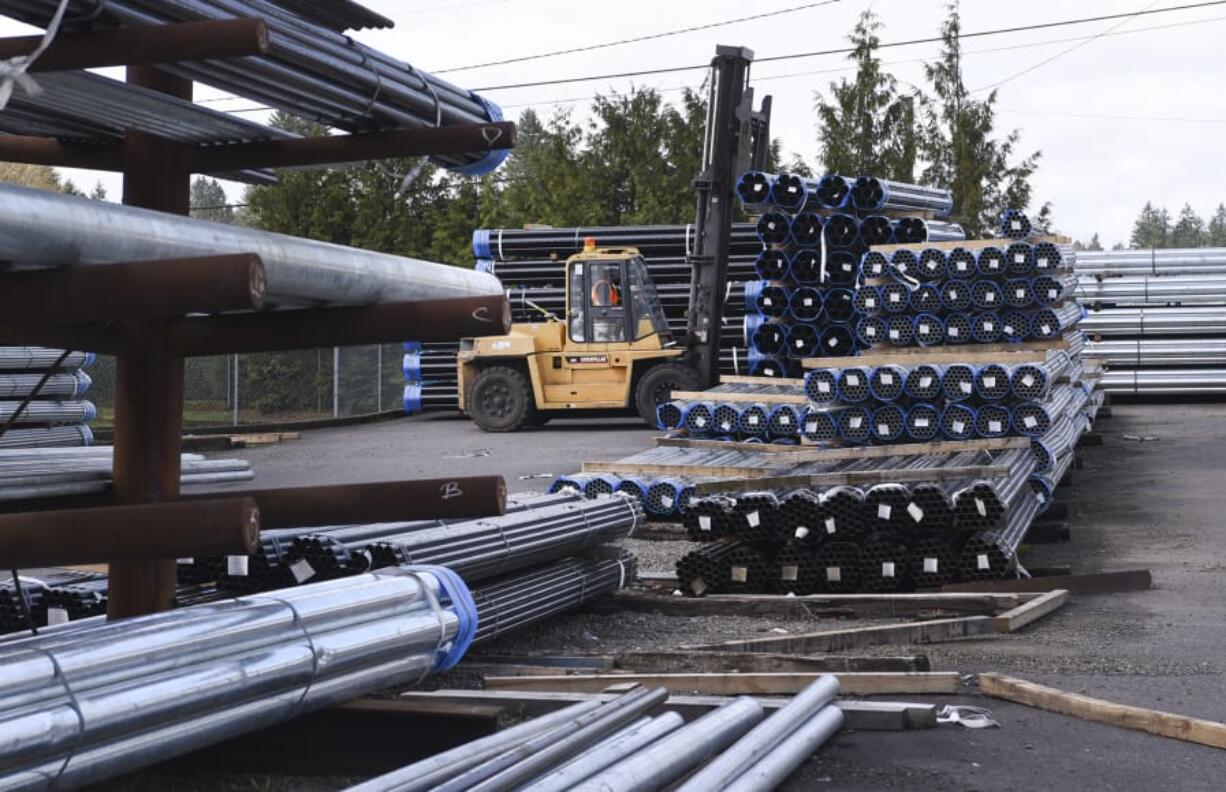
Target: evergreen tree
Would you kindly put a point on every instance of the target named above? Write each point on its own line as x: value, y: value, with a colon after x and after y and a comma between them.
x: 866, y: 127
x: 963, y: 156
x: 1152, y: 228
x: 98, y: 193
x: 1094, y: 243
x: 1217, y: 228
x: 208, y: 201
x: 1189, y: 230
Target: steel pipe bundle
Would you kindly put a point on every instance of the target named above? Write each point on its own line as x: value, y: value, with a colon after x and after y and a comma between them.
x: 1197, y: 321
x: 876, y: 195
x: 24, y: 358
x: 310, y: 70
x: 41, y: 228
x: 1158, y: 262
x: 1166, y: 381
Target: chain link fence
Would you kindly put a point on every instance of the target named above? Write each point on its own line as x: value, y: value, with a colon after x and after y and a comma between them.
x: 276, y: 387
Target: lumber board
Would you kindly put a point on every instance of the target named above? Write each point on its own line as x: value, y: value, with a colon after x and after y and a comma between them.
x: 1125, y: 716
x: 795, y: 453
x: 1025, y: 352
x: 741, y: 379
x: 676, y: 470
x: 1037, y: 608
x: 1095, y: 583
x: 867, y: 683
x: 741, y: 398
x: 818, y: 605
x: 932, y: 631
x: 672, y: 662
x: 764, y: 479
x: 812, y: 453
x: 862, y: 715
x: 970, y: 244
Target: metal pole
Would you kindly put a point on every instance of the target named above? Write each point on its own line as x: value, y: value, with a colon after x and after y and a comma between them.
x: 336, y: 382
x: 379, y: 378
x: 234, y: 400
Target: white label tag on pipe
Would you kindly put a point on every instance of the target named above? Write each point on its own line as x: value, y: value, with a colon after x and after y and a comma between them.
x: 959, y: 427
x: 753, y: 420
x: 704, y: 522
x: 1028, y: 380
x: 895, y: 297
x: 1017, y: 225
x: 830, y: 525
x: 953, y: 294
x: 884, y: 510
x: 753, y: 519
x: 800, y: 343
x: 1030, y: 422
x: 982, y: 562
x: 915, y: 511
x: 1008, y: 329
x: 801, y: 532
x: 808, y: 301
x: 1042, y: 262
x: 767, y: 301
x: 236, y: 566
x: 883, y: 430
x: 698, y: 586
x: 789, y: 572
x: 925, y: 382
x: 811, y: 427
x: 185, y: 561
x: 833, y: 342
x: 785, y: 420
x: 887, y: 379
x: 302, y: 570
x: 965, y: 387
x: 953, y: 331
x: 1046, y: 328
x: 833, y: 574
x: 823, y: 387
x: 895, y: 334
x: 871, y: 302
x: 870, y: 331
x: 887, y: 569
x: 990, y: 297
x: 700, y: 422
x: 667, y: 502
x: 925, y: 329
x: 931, y: 566
x: 1021, y: 294
x: 981, y: 507
x: 56, y: 616
x: 921, y: 423
x: 989, y: 382
x: 994, y: 426
x: 740, y: 574
x: 1053, y: 294
x: 853, y: 380
x: 1019, y: 258
x: 856, y: 422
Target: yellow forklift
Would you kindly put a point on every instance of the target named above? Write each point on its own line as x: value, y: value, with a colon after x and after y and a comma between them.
x: 612, y: 350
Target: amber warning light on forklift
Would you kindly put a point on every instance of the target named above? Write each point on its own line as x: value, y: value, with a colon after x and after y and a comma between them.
x: 589, y: 244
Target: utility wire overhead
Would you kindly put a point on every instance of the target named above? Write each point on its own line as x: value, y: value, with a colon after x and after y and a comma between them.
x: 637, y: 39
x: 846, y: 50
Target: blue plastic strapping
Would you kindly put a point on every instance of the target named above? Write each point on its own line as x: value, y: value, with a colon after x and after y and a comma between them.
x: 489, y: 162
x: 453, y: 587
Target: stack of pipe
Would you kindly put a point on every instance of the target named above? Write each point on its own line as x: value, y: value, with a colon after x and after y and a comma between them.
x: 1158, y: 319
x: 813, y: 234
x: 58, y: 415
x: 310, y: 70
x: 619, y: 745
x: 163, y: 685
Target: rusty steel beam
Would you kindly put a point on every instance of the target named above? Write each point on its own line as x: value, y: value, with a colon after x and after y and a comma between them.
x: 217, y: 527
x: 46, y: 151
x: 377, y: 502
x: 459, y: 139
x: 139, y: 290
x: 185, y: 41
x: 271, y: 331
x: 149, y: 371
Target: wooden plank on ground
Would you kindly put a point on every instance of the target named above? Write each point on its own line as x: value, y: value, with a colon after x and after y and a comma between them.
x: 862, y: 715
x: 1096, y: 583
x: 633, y: 469
x: 811, y: 453
x: 794, y: 453
x: 1163, y: 724
x: 970, y: 244
x: 764, y: 479
x: 788, y: 683
x: 1026, y: 352
x: 673, y: 662
x: 932, y: 631
x: 1037, y: 608
x: 817, y: 605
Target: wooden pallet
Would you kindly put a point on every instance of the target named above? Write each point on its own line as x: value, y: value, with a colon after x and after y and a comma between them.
x: 969, y: 244
x: 1025, y: 352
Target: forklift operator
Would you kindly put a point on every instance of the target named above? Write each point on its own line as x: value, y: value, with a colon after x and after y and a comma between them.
x: 606, y: 292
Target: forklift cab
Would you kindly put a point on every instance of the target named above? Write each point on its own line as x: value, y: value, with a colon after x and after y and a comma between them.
x: 611, y: 299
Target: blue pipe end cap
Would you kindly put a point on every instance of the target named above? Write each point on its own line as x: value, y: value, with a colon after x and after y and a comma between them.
x: 481, y: 244
x: 412, y: 398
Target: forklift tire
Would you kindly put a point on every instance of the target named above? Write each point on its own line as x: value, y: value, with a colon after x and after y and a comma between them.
x: 658, y: 384
x: 501, y: 400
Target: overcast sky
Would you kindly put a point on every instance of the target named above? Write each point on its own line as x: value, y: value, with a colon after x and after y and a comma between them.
x: 1135, y: 115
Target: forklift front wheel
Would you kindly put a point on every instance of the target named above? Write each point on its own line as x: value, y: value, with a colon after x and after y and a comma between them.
x: 501, y: 400
x: 658, y: 384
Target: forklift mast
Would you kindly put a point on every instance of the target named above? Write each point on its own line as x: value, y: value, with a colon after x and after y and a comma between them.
x: 737, y: 139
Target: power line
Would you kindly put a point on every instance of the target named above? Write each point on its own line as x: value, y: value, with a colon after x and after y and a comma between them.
x: 637, y: 39
x: 1064, y: 52
x: 847, y: 50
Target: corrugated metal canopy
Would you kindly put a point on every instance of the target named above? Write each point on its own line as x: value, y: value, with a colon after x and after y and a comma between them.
x: 339, y: 15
